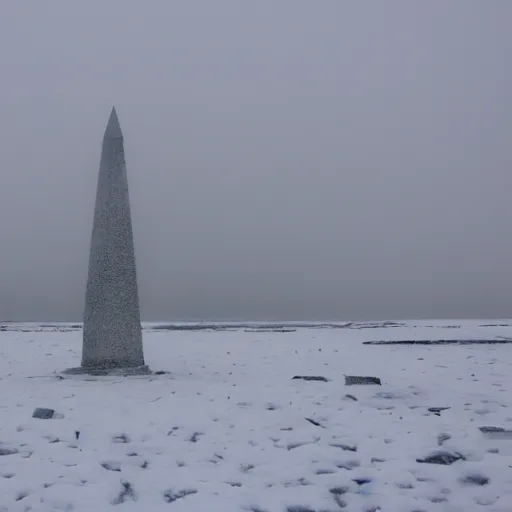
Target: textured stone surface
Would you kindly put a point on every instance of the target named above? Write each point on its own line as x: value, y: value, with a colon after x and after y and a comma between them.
x: 112, y: 336
x: 42, y: 413
x: 355, y: 380
x: 317, y: 378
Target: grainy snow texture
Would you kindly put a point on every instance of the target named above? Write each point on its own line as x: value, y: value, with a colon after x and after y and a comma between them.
x: 228, y: 429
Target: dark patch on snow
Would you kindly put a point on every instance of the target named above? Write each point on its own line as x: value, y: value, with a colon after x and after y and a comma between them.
x: 405, y: 485
x: 314, y: 422
x: 299, y: 508
x: 292, y: 446
x: 440, y: 457
x: 349, y: 465
x: 7, y: 451
x: 337, y: 493
x: 122, y: 438
x: 438, y: 410
x: 127, y: 492
x: 42, y: 413
x: 351, y: 397
x: 111, y: 466
x: 357, y: 380
x: 317, y: 378
x: 362, y: 481
x: 440, y: 342
x: 324, y: 471
x: 245, y: 468
x: 195, y: 437
x: 170, y: 496
x: 252, y: 326
x: 344, y: 447
x: 297, y: 483
x: 474, y: 479
x: 441, y: 438
x: 496, y: 432
x: 22, y: 494
x: 270, y: 330
x: 437, y: 499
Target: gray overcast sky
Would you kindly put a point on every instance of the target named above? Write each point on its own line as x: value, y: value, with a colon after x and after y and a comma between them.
x: 287, y: 159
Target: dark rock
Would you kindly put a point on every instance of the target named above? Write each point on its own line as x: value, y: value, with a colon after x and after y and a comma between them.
x: 195, y: 436
x: 43, y: 414
x: 324, y: 471
x: 440, y: 457
x: 437, y: 410
x: 7, y: 451
x: 122, y: 438
x: 362, y: 481
x: 337, y: 493
x: 311, y: 377
x: 487, y: 430
x: 299, y: 508
x: 405, y: 485
x: 313, y: 422
x: 441, y: 438
x: 111, y: 466
x: 21, y: 495
x: 474, y: 479
x: 127, y: 492
x: 355, y: 380
x: 351, y: 397
x: 496, y: 432
x: 349, y: 465
x: 345, y: 447
x: 170, y: 496
x: 440, y: 342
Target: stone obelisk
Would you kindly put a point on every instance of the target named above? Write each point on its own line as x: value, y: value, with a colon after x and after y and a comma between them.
x: 112, y: 335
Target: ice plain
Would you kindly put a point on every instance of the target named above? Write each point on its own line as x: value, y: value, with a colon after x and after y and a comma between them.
x: 226, y: 428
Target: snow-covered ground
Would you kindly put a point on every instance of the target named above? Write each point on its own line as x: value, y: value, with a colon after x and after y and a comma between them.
x: 227, y: 429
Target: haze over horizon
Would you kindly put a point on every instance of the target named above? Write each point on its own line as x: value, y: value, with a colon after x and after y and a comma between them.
x: 286, y: 160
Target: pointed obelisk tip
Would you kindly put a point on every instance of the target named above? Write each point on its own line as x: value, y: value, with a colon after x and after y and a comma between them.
x: 113, y: 130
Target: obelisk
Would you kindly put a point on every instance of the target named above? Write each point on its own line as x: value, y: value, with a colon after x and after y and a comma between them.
x: 112, y: 335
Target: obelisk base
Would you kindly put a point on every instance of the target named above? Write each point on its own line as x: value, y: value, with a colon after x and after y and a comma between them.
x: 113, y: 372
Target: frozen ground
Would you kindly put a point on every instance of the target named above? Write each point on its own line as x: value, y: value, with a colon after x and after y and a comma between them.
x: 229, y: 430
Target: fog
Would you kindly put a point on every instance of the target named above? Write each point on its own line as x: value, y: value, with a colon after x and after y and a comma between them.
x: 287, y: 160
